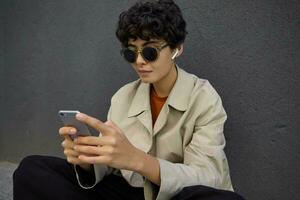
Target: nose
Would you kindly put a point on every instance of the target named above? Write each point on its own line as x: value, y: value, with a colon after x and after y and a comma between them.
x: 140, y: 59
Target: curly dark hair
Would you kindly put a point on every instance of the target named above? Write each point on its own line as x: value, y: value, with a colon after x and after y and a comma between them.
x: 152, y: 19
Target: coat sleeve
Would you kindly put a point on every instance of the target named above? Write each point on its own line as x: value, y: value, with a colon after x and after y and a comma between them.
x: 89, y: 180
x: 204, y: 161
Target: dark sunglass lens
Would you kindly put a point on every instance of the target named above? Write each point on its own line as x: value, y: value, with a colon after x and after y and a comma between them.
x: 129, y: 55
x: 150, y: 54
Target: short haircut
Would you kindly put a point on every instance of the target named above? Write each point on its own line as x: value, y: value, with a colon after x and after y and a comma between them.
x: 152, y: 19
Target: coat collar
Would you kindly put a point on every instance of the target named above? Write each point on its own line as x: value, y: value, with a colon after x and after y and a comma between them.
x: 180, y: 94
x: 178, y: 97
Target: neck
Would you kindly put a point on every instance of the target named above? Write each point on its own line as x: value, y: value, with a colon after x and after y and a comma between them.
x: 165, y: 85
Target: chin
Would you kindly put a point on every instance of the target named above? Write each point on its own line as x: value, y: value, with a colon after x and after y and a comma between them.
x: 146, y: 80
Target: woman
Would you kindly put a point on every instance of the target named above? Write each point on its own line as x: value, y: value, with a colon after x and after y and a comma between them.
x: 164, y: 135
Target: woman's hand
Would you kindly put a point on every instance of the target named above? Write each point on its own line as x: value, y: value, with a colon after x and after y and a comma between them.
x: 68, y: 145
x: 112, y: 148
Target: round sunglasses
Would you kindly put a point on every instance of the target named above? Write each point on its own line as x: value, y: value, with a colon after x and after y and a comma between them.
x: 149, y: 54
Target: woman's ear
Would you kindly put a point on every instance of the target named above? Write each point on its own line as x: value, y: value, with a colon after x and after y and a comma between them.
x: 175, y: 54
x: 178, y: 51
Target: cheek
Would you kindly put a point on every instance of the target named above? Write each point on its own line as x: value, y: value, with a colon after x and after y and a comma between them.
x: 167, y: 57
x: 134, y: 66
x: 164, y: 60
x: 166, y: 64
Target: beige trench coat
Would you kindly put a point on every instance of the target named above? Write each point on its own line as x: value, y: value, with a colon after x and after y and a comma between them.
x: 187, y: 137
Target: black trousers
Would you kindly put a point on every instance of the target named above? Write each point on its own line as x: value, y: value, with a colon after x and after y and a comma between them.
x: 45, y: 177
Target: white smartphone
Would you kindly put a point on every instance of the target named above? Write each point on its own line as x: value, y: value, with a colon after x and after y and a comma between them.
x: 68, y: 117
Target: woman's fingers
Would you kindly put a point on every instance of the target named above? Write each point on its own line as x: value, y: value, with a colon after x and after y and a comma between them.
x: 95, y: 159
x: 96, y: 141
x: 93, y: 122
x: 71, y: 153
x: 95, y: 150
x: 67, y: 143
x: 75, y: 161
x: 91, y: 150
x: 67, y: 130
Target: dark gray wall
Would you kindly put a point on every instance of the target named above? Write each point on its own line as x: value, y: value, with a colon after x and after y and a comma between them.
x: 64, y: 55
x: 2, y: 3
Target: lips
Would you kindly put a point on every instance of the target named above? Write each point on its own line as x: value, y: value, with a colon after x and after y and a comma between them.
x: 144, y: 71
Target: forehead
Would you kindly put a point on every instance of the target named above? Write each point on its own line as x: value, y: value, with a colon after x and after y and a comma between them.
x: 140, y: 42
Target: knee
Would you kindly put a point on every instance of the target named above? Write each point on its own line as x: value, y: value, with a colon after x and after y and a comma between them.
x: 230, y: 195
x: 205, y: 192
x: 26, y: 167
x: 236, y: 196
x: 28, y: 161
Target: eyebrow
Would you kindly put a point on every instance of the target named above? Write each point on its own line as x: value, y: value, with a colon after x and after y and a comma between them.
x: 146, y: 43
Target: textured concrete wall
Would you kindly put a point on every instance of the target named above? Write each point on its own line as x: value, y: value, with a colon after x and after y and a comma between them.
x: 64, y: 55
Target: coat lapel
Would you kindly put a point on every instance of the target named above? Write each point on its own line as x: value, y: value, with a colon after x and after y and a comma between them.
x: 140, y: 106
x: 161, y: 119
x: 178, y: 98
x: 146, y: 119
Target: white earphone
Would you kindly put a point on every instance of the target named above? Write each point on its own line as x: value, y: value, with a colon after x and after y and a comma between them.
x: 175, y: 54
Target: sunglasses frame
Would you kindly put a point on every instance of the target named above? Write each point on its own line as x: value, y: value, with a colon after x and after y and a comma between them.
x: 138, y: 51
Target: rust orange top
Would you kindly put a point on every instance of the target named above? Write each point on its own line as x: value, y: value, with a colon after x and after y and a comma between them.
x: 156, y: 104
